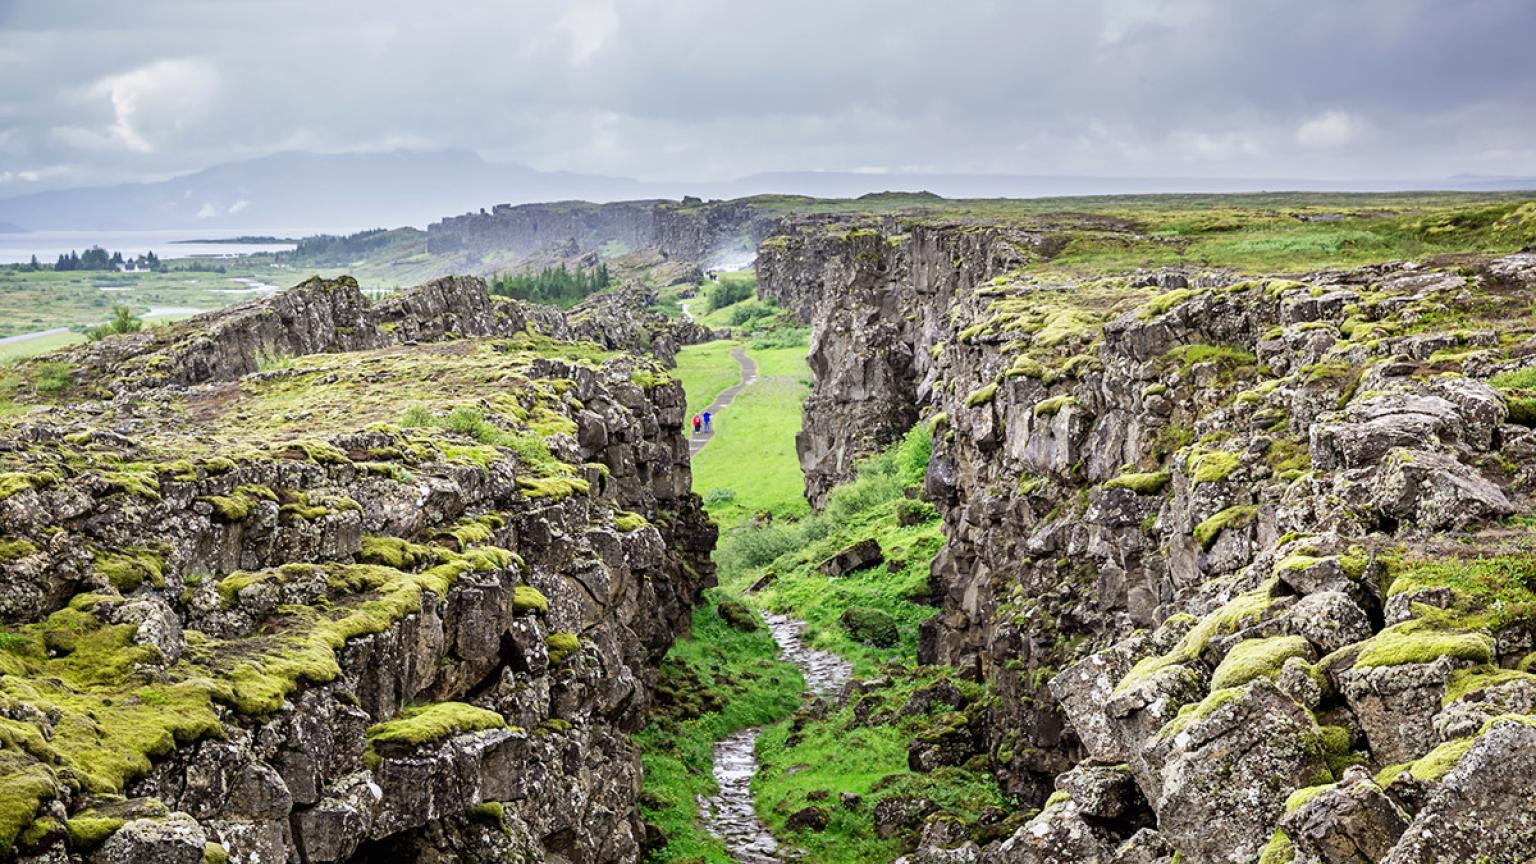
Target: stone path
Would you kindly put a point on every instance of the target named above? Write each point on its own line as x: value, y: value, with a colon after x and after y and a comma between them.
x: 723, y: 401
x: 728, y: 814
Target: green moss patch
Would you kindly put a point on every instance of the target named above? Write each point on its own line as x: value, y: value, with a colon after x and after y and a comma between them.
x: 1210, y: 466
x: 1233, y: 517
x: 981, y: 396
x: 1422, y: 641
x: 1258, y: 658
x: 430, y: 724
x: 528, y: 600
x: 1052, y: 406
x: 561, y: 646
x: 1144, y: 483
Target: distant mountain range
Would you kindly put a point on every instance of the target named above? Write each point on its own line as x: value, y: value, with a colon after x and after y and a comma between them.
x: 295, y: 190
x: 311, y: 191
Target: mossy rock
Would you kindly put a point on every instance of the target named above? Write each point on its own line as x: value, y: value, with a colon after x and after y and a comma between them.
x: 1258, y: 658
x: 870, y: 626
x: 429, y: 724
x: 1232, y: 517
x: 528, y: 600
x: 736, y: 614
x: 1145, y: 483
x: 562, y: 645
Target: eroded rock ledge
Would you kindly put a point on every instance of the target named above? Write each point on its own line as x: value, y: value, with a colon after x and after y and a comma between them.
x: 1246, y: 561
x: 318, y: 579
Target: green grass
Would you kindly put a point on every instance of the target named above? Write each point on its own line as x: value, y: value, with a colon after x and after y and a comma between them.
x: 716, y: 682
x: 753, y: 451
x: 38, y: 345
x: 839, y: 754
x: 705, y: 371
x: 30, y: 302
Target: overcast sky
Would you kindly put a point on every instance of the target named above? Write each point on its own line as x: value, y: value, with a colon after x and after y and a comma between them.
x: 709, y: 89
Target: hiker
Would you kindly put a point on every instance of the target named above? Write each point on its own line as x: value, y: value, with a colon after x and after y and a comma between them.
x: 696, y: 424
x: 707, y: 418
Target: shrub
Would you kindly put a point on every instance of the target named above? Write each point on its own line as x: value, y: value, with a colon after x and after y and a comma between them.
x: 750, y: 310
x: 910, y: 512
x: 123, y: 321
x: 728, y: 292
x: 782, y: 337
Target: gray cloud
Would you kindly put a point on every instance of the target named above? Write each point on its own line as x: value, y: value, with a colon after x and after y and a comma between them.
x: 702, y: 89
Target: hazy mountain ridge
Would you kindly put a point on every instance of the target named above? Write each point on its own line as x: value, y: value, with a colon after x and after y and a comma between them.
x: 414, y: 187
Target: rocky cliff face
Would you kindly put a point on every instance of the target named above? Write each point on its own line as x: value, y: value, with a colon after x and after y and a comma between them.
x: 691, y: 231
x: 528, y: 228
x: 322, y: 580
x: 1246, y: 561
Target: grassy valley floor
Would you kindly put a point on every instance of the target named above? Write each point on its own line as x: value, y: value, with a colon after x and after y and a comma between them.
x: 831, y: 764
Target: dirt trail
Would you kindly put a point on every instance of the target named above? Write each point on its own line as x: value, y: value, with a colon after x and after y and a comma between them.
x: 723, y: 401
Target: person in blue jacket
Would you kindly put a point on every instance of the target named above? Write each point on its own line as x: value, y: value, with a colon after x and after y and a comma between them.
x: 707, y: 418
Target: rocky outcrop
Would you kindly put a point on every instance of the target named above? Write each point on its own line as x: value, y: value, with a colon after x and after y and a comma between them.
x: 527, y: 228
x: 691, y: 230
x: 399, y: 596
x: 622, y: 320
x: 1234, y: 534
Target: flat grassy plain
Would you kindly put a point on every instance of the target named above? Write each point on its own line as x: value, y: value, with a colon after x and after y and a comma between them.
x: 1257, y: 232
x: 46, y: 299
x: 751, y: 465
x: 706, y: 370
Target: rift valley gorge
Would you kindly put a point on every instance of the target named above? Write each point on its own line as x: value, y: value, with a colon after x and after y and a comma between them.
x: 1115, y: 530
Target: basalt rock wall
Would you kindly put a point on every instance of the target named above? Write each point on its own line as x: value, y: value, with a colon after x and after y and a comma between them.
x: 692, y: 231
x: 273, y: 615
x: 1228, y: 550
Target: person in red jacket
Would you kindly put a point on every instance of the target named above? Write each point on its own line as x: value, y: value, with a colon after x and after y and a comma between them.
x: 696, y: 424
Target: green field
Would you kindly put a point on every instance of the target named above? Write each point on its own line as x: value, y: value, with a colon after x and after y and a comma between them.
x: 44, y: 300
x: 706, y: 370
x: 751, y: 465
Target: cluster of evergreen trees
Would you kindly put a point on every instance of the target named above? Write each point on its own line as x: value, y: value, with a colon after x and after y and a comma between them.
x: 554, y: 286
x: 97, y: 258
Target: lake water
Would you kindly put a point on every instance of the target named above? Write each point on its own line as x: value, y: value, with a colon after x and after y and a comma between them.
x: 48, y: 245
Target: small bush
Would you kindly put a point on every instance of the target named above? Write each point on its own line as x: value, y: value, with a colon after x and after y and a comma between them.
x: 123, y: 321
x: 909, y: 512
x: 782, y: 337
x: 728, y: 292
x: 750, y: 310
x: 718, y: 496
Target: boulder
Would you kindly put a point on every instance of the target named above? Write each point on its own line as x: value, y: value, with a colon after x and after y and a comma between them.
x: 807, y: 819
x: 1396, y: 705
x: 1353, y: 822
x: 1227, y: 768
x: 1083, y: 688
x: 865, y: 553
x: 1103, y: 791
x: 1481, y: 810
x: 1434, y: 491
x: 1058, y: 834
x: 173, y: 839
x: 1329, y: 620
